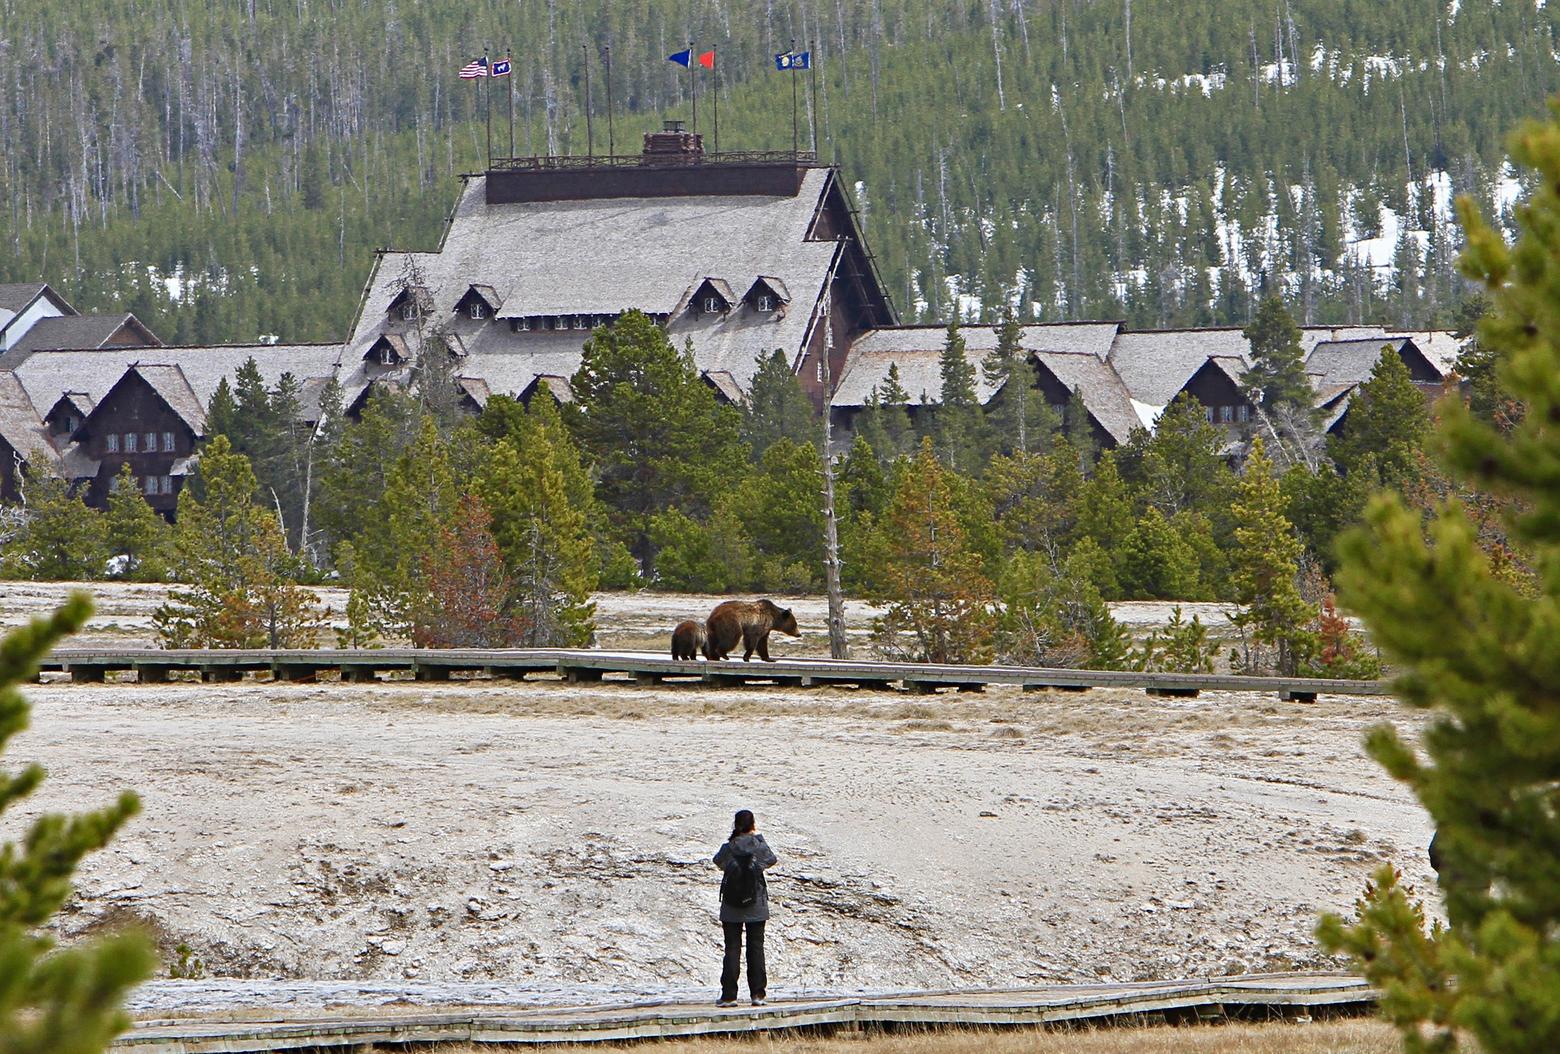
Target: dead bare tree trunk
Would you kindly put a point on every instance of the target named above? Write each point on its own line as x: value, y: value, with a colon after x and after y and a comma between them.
x: 831, y: 536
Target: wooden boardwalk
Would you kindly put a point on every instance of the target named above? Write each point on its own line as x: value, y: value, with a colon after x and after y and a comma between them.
x: 154, y: 665
x: 1258, y: 996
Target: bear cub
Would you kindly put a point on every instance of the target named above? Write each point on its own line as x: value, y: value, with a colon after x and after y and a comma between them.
x: 687, y: 640
x: 749, y: 621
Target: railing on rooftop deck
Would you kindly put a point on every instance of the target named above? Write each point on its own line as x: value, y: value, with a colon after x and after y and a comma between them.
x: 728, y: 157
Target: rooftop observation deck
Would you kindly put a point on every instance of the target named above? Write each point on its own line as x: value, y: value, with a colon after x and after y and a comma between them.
x: 673, y: 163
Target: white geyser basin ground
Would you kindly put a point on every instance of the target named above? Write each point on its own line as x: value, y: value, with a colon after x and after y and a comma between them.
x: 476, y: 843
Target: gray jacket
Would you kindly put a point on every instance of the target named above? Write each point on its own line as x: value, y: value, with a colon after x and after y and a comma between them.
x: 758, y: 911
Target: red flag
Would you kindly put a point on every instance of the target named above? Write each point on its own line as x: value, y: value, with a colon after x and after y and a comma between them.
x: 707, y: 60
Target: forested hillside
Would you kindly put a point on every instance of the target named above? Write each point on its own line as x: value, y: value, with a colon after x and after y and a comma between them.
x: 225, y: 168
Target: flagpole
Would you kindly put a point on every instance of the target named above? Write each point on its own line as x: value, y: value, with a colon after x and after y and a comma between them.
x: 693, y: 88
x: 795, y: 144
x: 509, y: 87
x: 715, y: 77
x: 488, y: 95
x: 611, y: 143
x: 590, y: 135
x: 812, y: 82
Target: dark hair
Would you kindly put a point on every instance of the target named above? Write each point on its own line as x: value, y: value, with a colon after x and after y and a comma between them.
x: 744, y: 823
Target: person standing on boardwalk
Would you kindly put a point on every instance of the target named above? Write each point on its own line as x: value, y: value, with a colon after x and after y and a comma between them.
x: 744, y: 904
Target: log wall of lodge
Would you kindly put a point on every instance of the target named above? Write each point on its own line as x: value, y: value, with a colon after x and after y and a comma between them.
x: 135, y: 426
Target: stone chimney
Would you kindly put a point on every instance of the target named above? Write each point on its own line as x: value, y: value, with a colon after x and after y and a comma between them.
x: 673, y: 145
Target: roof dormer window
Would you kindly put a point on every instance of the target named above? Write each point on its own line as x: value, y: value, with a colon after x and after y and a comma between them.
x: 767, y: 295
x: 388, y: 350
x: 408, y: 304
x: 479, y: 302
x: 710, y: 296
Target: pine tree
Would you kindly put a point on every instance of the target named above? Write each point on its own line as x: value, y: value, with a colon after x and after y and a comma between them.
x: 1052, y: 615
x: 1272, y: 614
x: 1178, y: 646
x: 1477, y: 652
x: 355, y: 472
x: 1277, y: 373
x: 387, y: 558
x: 1036, y: 499
x: 1079, y: 430
x: 541, y: 505
x: 1387, y: 423
x: 61, y: 538
x: 776, y: 407
x: 957, y: 423
x: 782, y: 514
x: 694, y: 557
x: 928, y: 578
x: 468, y: 599
x: 897, y: 431
x: 134, y: 533
x: 233, y: 561
x: 54, y: 1001
x: 1018, y: 416
x: 1180, y: 465
x: 651, y: 427
x: 1156, y: 563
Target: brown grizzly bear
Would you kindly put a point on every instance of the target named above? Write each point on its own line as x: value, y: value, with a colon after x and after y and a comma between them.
x: 749, y: 621
x: 687, y: 639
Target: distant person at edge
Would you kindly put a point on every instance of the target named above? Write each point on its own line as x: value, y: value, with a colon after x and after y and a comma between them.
x: 744, y: 902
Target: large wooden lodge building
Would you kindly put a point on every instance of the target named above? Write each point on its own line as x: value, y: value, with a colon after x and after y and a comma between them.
x: 736, y: 255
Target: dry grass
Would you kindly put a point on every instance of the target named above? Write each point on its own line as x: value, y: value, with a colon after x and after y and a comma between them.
x: 1362, y: 1036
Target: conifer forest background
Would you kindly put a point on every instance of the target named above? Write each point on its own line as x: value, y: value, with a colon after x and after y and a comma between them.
x: 224, y: 169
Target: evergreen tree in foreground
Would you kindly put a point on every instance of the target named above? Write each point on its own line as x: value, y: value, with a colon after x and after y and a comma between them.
x: 230, y: 553
x: 61, y: 538
x: 937, y: 598
x: 53, y: 1001
x: 1479, y: 654
x: 1273, y: 616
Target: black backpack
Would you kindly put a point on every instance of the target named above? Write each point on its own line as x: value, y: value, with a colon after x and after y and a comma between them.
x: 740, y: 886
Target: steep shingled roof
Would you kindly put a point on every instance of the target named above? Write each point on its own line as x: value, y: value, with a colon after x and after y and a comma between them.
x: 76, y: 333
x: 1104, y: 396
x: 1074, y: 353
x: 598, y: 257
x: 22, y: 427
x: 14, y: 296
x: 169, y: 382
x: 1337, y: 363
x: 48, y: 374
x: 916, y: 349
x: 1156, y: 364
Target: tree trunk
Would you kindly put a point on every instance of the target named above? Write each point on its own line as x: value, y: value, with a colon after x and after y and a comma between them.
x: 831, y: 538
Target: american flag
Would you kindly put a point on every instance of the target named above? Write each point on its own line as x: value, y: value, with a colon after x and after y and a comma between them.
x: 473, y: 70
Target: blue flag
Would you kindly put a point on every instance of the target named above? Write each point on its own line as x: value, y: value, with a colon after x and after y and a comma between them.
x: 794, y: 60
x: 500, y: 68
x: 682, y: 58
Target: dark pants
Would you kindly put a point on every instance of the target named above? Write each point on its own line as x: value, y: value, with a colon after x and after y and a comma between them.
x: 731, y: 967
